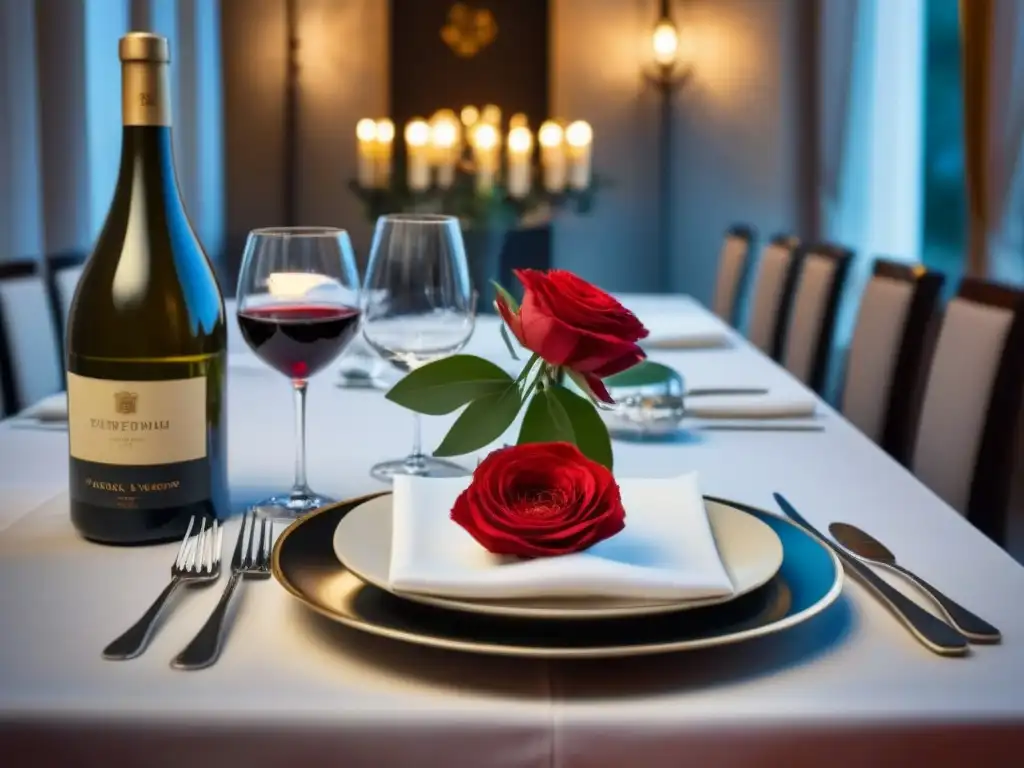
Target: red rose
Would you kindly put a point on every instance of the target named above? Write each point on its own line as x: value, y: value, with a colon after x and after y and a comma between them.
x: 538, y: 500
x: 571, y: 323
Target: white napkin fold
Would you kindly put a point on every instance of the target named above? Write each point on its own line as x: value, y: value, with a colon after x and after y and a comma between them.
x: 51, y: 408
x: 666, y: 551
x: 687, y: 331
x: 750, y: 406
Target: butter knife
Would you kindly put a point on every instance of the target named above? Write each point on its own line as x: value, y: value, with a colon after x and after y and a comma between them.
x: 869, y: 549
x: 935, y: 634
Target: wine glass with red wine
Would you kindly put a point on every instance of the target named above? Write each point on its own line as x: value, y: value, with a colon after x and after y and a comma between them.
x: 298, y: 308
x: 418, y: 306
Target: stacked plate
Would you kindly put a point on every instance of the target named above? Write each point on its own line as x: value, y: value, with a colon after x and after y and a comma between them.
x: 336, y: 562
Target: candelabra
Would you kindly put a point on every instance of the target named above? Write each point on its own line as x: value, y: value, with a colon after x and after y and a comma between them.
x: 468, y: 167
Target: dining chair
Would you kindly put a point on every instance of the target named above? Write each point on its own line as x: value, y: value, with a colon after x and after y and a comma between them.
x: 772, y: 294
x: 964, y: 444
x: 63, y: 272
x: 30, y: 364
x: 733, y: 259
x: 811, y: 319
x: 884, y: 362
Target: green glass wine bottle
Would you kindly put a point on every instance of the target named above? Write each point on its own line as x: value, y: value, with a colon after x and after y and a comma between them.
x: 146, y: 341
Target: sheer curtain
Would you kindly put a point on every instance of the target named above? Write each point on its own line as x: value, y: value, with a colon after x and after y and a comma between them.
x: 837, y: 54
x: 871, y: 60
x: 60, y: 116
x: 993, y: 78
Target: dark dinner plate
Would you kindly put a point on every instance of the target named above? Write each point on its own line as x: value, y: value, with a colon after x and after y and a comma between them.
x: 304, y: 563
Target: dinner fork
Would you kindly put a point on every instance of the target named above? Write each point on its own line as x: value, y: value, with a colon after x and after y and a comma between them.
x: 250, y: 560
x: 198, y: 561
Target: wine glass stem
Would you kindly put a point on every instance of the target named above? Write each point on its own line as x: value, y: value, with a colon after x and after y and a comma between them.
x: 299, y: 385
x: 417, y: 439
x: 415, y: 461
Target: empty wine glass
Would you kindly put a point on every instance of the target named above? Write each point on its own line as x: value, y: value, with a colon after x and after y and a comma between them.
x: 418, y: 306
x: 298, y: 308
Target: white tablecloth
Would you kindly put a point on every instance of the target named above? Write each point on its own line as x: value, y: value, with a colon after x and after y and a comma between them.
x: 848, y: 688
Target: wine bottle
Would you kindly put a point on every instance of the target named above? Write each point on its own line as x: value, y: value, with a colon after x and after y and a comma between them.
x: 146, y: 341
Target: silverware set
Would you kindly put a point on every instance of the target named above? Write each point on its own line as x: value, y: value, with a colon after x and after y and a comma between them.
x: 199, y: 562
x: 661, y: 414
x: 856, y: 548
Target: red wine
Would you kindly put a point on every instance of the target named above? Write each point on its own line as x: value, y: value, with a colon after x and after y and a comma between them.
x: 298, y: 340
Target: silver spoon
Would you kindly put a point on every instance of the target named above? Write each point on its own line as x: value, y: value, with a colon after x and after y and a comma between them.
x: 871, y: 550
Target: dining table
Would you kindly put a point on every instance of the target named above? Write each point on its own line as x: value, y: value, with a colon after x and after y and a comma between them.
x: 849, y: 687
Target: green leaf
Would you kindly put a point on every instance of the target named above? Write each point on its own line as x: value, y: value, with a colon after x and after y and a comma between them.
x: 508, y: 341
x: 642, y: 374
x: 509, y: 299
x: 483, y: 422
x: 445, y: 385
x: 546, y: 421
x: 591, y: 433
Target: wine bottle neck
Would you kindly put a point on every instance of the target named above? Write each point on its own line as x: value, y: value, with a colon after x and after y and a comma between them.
x: 145, y: 93
x: 147, y: 158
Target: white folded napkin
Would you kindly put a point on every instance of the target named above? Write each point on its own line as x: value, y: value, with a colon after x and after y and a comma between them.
x: 52, y: 408
x: 683, y: 331
x: 666, y: 551
x: 750, y: 406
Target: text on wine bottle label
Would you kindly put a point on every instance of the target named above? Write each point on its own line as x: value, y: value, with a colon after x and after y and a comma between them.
x: 137, y: 423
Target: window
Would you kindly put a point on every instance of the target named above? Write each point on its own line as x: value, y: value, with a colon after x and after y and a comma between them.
x: 945, y: 213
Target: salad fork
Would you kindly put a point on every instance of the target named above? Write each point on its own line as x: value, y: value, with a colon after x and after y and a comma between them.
x: 250, y: 560
x: 198, y: 561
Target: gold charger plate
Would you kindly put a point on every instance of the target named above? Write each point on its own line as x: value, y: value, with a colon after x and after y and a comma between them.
x: 809, y: 580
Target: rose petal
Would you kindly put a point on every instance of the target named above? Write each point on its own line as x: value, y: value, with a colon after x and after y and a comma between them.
x: 511, y: 319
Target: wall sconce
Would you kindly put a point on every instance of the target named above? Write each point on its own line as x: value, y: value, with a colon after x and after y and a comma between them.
x: 668, y: 70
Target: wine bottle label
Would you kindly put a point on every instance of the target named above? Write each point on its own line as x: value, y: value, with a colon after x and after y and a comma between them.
x: 138, y: 444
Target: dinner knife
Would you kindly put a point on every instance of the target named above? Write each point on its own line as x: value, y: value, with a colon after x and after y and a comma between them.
x: 712, y: 391
x: 760, y: 426
x: 935, y: 634
x: 867, y: 548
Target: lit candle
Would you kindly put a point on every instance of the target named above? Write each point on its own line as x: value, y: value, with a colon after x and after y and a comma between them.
x: 385, y: 143
x: 469, y: 116
x: 417, y: 155
x: 517, y: 120
x: 444, y: 137
x: 552, y: 156
x: 579, y: 136
x: 491, y: 114
x: 520, y: 147
x: 485, y: 155
x: 366, y: 138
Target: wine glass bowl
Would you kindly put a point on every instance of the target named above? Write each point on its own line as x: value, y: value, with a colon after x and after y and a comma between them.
x: 418, y: 306
x: 298, y: 308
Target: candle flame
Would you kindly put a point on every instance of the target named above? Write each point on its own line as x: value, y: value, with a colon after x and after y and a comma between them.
x: 417, y: 133
x: 491, y: 114
x: 385, y: 131
x: 579, y: 134
x: 366, y: 130
x: 444, y: 134
x: 469, y: 116
x: 520, y: 140
x: 485, y: 136
x: 550, y: 134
